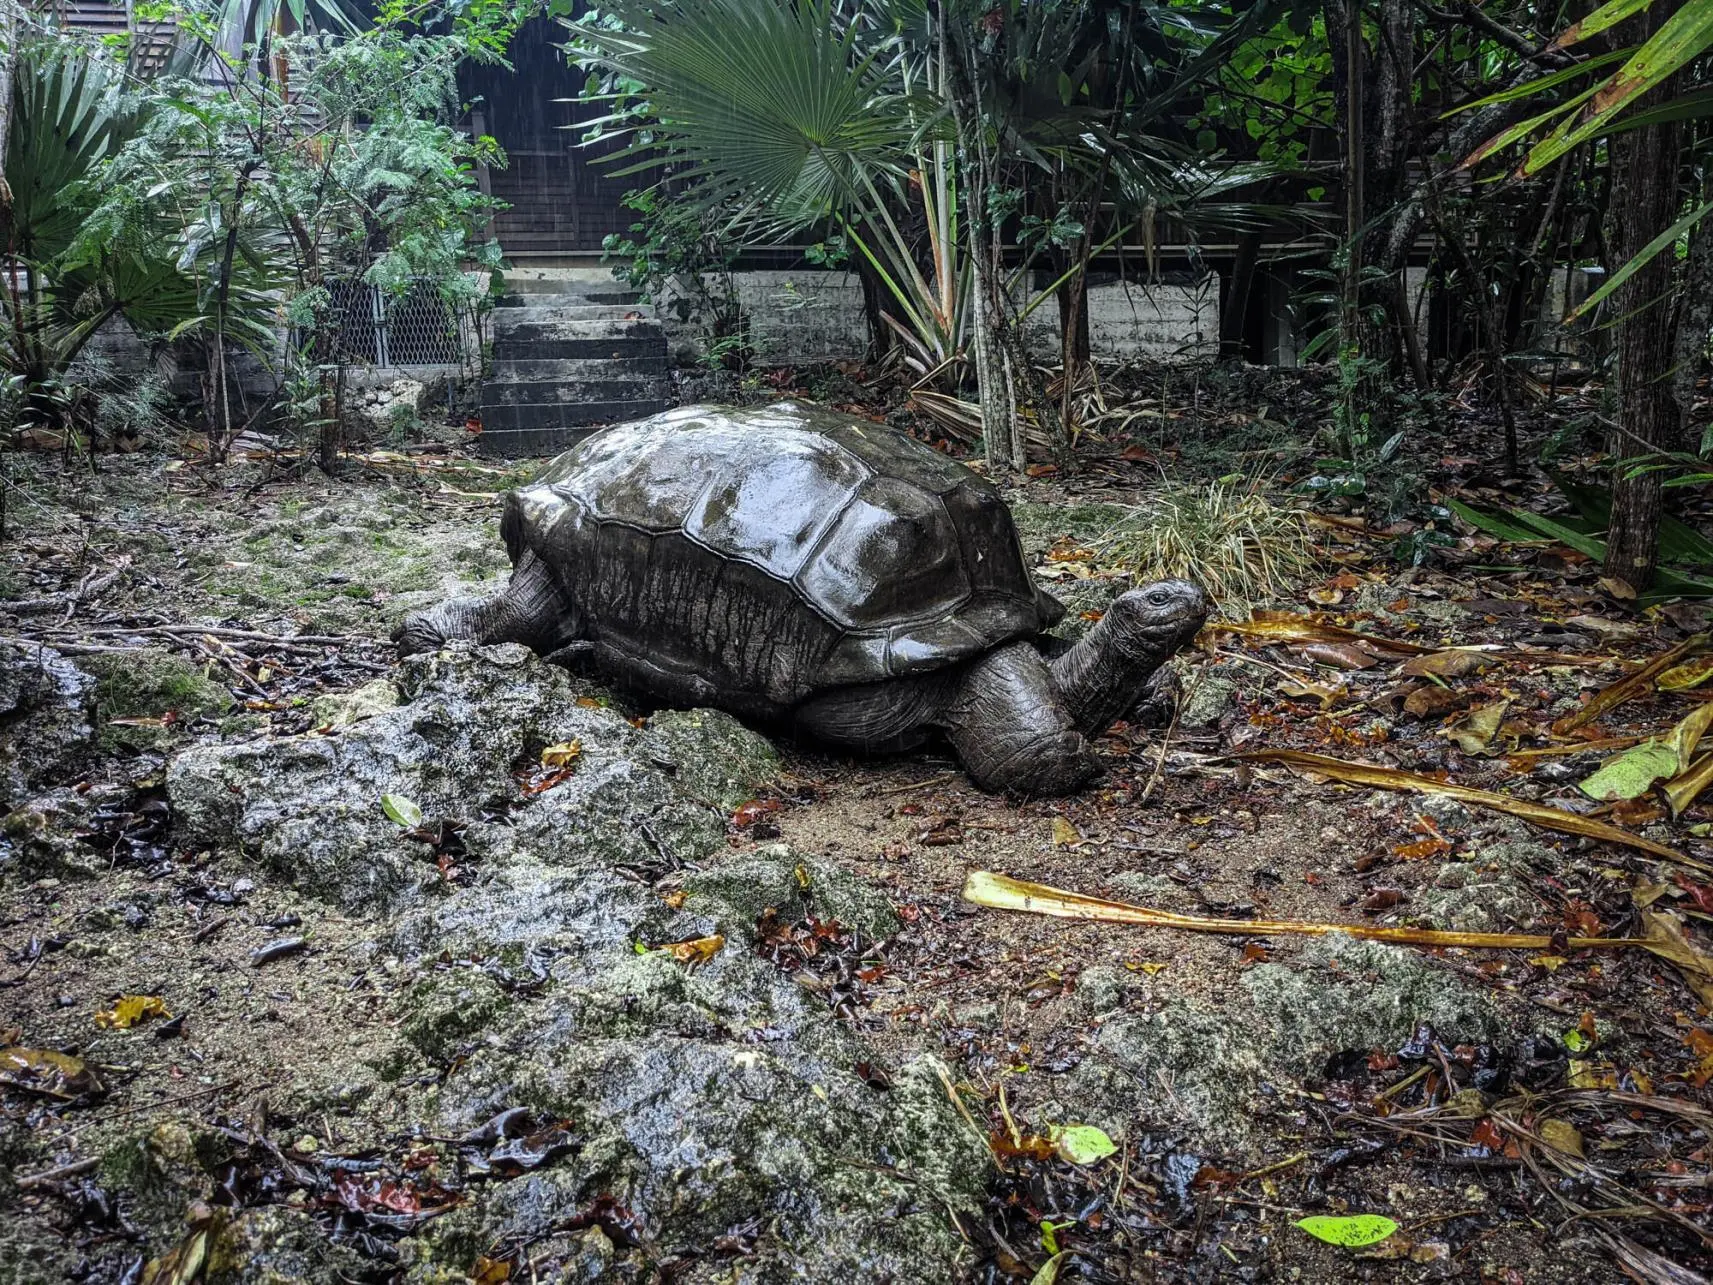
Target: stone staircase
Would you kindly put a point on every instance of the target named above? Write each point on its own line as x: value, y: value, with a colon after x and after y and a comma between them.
x: 572, y: 350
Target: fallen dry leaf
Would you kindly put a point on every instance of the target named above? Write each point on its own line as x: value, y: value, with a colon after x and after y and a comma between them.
x: 1454, y: 662
x: 1391, y: 778
x: 1430, y: 701
x: 1665, y: 937
x: 1287, y: 627
x: 1684, y: 789
x: 1065, y: 834
x: 56, y: 1075
x: 562, y: 755
x: 1327, y: 696
x: 1680, y: 678
x: 1560, y: 1135
x: 1474, y: 732
x: 1610, y: 698
x: 131, y: 1009
x: 1338, y: 655
x: 698, y: 950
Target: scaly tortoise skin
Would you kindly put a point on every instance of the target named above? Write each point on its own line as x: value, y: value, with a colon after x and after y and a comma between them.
x: 812, y: 572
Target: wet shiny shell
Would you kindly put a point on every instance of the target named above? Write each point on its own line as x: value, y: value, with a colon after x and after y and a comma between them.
x: 776, y: 551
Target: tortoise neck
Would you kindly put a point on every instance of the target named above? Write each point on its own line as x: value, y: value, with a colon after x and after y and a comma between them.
x: 1099, y: 679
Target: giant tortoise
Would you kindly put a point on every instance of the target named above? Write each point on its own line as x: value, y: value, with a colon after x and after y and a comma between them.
x: 812, y: 572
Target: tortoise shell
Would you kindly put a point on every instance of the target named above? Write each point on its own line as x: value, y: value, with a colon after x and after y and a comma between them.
x: 770, y: 553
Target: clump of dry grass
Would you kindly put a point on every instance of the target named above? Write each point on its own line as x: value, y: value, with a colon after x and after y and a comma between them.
x: 1230, y: 538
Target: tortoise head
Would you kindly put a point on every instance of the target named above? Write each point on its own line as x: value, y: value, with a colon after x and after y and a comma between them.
x: 1154, y: 621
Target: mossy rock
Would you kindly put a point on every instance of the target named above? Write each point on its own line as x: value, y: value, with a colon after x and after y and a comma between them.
x: 712, y: 756
x: 150, y: 683
x: 447, y: 1008
x: 1360, y: 995
x: 793, y: 884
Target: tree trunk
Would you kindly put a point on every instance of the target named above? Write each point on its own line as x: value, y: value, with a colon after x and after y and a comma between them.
x: 1234, y: 316
x: 1644, y: 169
x: 1695, y: 319
x: 8, y: 57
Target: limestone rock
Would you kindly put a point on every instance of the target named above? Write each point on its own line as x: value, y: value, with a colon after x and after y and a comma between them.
x: 45, y: 711
x: 700, y: 1097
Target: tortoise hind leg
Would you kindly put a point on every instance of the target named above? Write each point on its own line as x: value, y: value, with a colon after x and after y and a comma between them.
x: 1010, y: 729
x: 531, y: 609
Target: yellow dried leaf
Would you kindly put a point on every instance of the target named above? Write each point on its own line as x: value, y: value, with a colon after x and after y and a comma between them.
x: 132, y: 1009
x: 698, y: 950
x: 1552, y: 963
x: 1560, y: 1135
x: 562, y: 755
x: 57, y: 1075
x: 1391, y: 778
x: 1680, y: 678
x: 1684, y: 789
x: 1474, y: 732
x: 1065, y: 834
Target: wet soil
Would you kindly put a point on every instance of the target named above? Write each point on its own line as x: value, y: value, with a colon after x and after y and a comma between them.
x: 1241, y: 1077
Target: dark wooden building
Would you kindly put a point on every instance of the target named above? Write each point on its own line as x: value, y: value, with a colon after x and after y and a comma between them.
x: 563, y: 200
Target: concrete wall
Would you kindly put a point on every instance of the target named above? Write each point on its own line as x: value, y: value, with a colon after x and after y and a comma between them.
x: 800, y: 317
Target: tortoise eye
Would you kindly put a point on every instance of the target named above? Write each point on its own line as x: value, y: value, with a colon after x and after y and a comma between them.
x: 1157, y: 598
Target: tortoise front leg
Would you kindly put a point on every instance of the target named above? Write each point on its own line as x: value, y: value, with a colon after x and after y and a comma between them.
x: 531, y: 609
x: 1010, y: 729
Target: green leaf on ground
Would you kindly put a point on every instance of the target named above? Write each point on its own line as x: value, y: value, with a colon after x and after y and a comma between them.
x: 1631, y: 774
x: 401, y: 811
x: 1352, y: 1231
x: 1082, y: 1144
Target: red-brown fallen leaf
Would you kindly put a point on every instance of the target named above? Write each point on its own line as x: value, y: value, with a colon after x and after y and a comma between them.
x: 1431, y: 701
x: 748, y: 814
x: 1700, y: 893
x: 1253, y: 953
x: 1486, y: 1134
x: 1381, y: 899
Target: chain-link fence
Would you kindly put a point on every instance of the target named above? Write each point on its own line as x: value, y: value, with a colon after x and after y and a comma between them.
x: 417, y: 328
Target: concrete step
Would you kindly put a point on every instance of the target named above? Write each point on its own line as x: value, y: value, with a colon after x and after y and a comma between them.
x: 571, y: 349
x: 569, y: 280
x: 556, y: 415
x: 529, y: 362
x: 519, y: 370
x: 509, y: 302
x: 600, y: 389
x: 618, y: 348
x: 588, y: 314
x: 524, y: 443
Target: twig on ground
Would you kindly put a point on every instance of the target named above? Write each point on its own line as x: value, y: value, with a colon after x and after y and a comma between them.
x: 46, y: 1176
x: 151, y: 1106
x: 92, y: 585
x: 1166, y: 740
